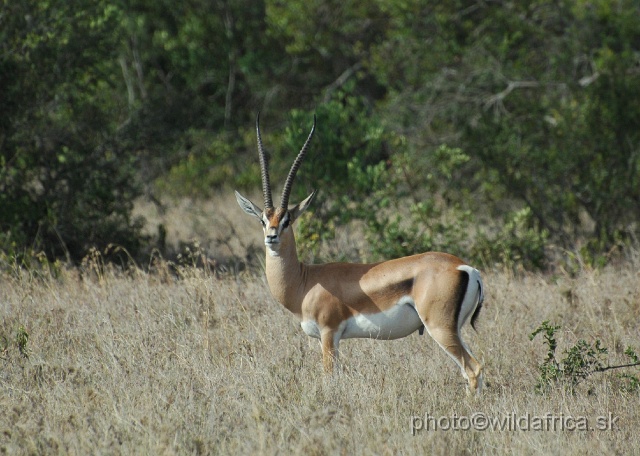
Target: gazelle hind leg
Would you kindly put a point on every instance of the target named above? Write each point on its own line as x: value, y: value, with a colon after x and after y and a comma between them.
x: 451, y: 343
x: 479, y: 373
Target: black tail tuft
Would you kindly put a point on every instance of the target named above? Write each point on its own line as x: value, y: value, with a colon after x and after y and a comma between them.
x: 476, y: 312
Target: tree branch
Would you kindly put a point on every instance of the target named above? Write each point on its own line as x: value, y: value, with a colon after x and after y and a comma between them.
x: 602, y: 369
x: 342, y: 79
x: 499, y: 97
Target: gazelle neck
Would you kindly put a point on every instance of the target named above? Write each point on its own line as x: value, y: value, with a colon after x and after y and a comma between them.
x: 285, y: 273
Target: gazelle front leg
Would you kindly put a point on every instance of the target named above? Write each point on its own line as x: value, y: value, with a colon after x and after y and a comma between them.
x: 329, y: 349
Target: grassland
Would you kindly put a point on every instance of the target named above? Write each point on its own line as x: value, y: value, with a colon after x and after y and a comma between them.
x: 198, y: 363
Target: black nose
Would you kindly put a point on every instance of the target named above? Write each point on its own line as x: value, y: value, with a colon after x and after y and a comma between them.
x: 271, y: 237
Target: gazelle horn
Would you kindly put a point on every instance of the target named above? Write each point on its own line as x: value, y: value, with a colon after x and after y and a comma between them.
x: 284, y: 203
x: 264, y: 168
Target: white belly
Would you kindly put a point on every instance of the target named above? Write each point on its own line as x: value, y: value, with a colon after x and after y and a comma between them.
x: 393, y: 323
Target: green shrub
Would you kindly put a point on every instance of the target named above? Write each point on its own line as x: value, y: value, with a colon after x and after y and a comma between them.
x: 581, y: 361
x: 518, y: 244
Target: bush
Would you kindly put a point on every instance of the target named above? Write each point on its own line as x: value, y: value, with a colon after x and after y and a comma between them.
x: 518, y: 244
x: 367, y: 174
x: 66, y: 182
x: 581, y: 361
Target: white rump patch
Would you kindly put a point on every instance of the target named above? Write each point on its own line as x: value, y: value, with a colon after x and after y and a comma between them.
x: 472, y: 297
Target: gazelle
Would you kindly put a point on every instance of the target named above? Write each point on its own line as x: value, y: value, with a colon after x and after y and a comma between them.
x: 386, y: 300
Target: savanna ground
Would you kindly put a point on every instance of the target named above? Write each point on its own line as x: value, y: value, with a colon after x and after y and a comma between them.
x: 191, y: 362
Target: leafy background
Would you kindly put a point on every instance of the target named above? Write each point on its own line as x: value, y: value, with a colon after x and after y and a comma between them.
x: 507, y: 131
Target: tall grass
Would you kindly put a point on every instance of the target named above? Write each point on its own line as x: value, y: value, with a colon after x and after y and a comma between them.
x: 139, y: 363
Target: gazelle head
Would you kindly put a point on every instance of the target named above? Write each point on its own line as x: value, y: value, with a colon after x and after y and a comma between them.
x: 276, y: 220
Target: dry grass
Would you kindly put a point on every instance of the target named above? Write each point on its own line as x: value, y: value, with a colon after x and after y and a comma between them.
x: 149, y: 364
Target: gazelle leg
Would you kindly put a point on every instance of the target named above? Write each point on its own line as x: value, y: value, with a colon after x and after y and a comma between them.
x: 471, y: 369
x: 329, y: 350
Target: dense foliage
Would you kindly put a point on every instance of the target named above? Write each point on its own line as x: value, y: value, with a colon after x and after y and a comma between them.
x: 519, y: 119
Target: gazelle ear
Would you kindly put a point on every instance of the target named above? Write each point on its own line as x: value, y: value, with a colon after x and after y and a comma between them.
x: 248, y: 206
x: 301, y: 207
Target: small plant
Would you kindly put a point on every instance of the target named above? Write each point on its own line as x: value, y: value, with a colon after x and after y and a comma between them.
x: 632, y: 382
x: 581, y: 360
x: 20, y: 340
x: 4, y: 347
x: 550, y: 369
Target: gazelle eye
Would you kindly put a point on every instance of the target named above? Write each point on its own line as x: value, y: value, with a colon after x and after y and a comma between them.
x: 285, y: 223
